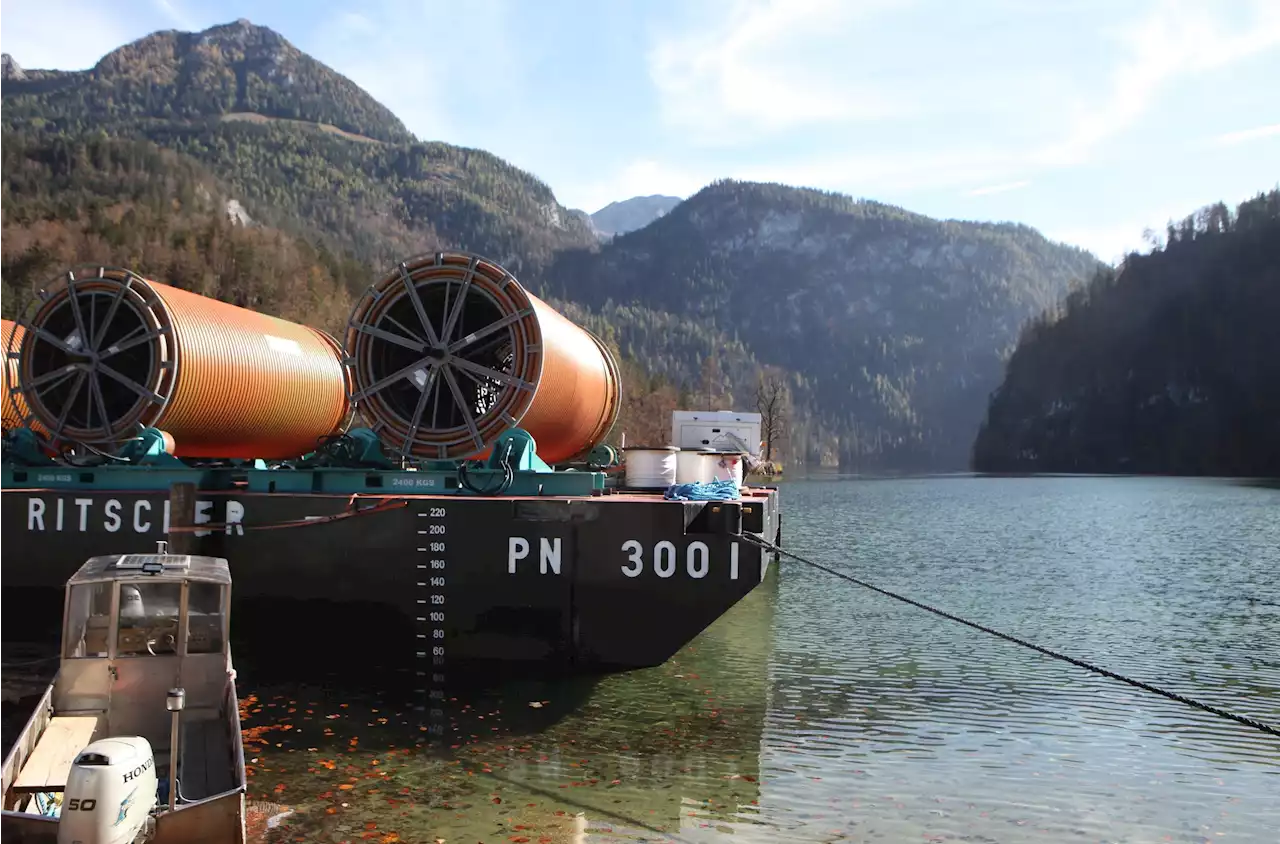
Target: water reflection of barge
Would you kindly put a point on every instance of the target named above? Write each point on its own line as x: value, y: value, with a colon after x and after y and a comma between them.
x: 643, y: 754
x: 476, y: 518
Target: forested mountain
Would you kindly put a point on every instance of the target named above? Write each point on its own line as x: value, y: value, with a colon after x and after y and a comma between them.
x: 229, y: 162
x: 122, y: 201
x: 630, y: 214
x: 236, y: 68
x: 1169, y: 364
x: 302, y: 147
x: 892, y: 324
x: 128, y: 203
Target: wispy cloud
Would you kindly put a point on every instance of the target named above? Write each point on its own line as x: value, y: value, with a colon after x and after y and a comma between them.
x: 864, y: 76
x: 756, y: 71
x: 1244, y: 136
x: 1177, y: 38
x: 1003, y: 188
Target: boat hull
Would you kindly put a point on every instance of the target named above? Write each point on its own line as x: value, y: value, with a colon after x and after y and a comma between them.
x: 592, y: 583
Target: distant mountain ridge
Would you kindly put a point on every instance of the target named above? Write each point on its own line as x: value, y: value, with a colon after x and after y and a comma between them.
x: 894, y: 324
x: 630, y: 214
x: 889, y: 328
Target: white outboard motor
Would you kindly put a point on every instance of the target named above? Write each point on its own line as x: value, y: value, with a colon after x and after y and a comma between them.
x: 111, y: 791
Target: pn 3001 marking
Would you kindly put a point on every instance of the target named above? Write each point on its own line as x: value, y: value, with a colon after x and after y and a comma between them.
x: 662, y: 559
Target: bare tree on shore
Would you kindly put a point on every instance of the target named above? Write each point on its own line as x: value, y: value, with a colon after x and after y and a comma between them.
x: 773, y: 403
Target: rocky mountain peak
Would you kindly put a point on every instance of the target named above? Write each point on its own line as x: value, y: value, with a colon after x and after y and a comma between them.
x: 231, y: 70
x: 244, y: 35
x: 9, y: 69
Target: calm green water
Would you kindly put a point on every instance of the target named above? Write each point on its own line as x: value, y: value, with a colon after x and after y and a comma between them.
x: 818, y: 711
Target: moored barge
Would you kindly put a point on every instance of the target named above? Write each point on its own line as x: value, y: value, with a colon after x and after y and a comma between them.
x: 432, y: 491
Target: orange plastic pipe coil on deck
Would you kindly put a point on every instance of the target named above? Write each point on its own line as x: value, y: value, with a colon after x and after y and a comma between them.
x: 108, y: 351
x: 14, y: 405
x: 448, y: 351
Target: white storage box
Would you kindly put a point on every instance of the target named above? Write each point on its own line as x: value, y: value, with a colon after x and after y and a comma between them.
x: 716, y: 429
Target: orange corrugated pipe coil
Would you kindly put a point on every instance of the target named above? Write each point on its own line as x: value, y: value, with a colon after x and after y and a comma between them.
x: 14, y: 405
x: 418, y: 357
x: 223, y: 381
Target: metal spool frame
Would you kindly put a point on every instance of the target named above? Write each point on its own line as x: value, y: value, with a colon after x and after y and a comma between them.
x: 447, y: 352
x: 97, y: 358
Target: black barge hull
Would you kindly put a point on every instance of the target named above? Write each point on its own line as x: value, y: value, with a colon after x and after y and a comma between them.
x: 569, y: 585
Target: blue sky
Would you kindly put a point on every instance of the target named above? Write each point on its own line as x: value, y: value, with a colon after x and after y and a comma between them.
x: 1088, y: 119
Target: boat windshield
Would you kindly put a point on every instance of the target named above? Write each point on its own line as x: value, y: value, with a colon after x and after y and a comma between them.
x: 88, y: 621
x: 148, y: 618
x: 149, y: 614
x: 205, y: 613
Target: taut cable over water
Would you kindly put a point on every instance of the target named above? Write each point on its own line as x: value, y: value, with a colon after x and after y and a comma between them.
x: 1221, y: 713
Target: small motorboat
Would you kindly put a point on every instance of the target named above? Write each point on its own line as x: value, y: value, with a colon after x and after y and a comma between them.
x: 138, y: 736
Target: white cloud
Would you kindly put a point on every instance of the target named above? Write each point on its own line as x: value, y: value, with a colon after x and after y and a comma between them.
x: 745, y: 76
x: 1013, y: 95
x: 1244, y: 136
x: 1177, y: 38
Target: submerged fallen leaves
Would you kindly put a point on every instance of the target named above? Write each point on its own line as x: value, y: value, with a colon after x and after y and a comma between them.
x: 340, y: 763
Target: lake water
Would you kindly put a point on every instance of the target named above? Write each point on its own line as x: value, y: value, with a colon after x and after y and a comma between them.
x: 818, y: 711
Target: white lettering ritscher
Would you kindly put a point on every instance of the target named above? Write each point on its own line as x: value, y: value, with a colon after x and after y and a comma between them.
x: 89, y: 515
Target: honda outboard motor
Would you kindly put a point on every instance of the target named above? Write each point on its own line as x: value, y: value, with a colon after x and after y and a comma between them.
x: 111, y: 791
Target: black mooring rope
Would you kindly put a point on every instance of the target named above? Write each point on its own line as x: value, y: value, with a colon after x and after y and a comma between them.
x: 1221, y: 713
